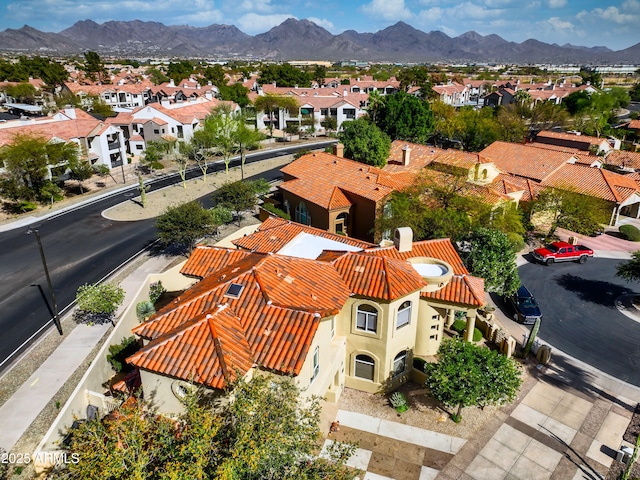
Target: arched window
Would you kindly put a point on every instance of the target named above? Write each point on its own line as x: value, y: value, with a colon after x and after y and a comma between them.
x: 364, y: 367
x: 367, y: 318
x: 404, y: 314
x: 400, y: 363
x: 302, y: 214
x: 341, y: 222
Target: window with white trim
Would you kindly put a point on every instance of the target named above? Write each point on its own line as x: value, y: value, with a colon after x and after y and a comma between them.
x: 316, y: 364
x: 364, y: 367
x: 400, y: 363
x: 404, y: 314
x: 367, y: 318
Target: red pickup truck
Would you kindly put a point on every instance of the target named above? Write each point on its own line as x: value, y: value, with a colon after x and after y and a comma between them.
x: 562, y: 252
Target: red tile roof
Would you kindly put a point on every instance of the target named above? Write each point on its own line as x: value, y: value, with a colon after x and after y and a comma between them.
x: 595, y: 182
x: 202, y: 350
x: 525, y: 161
x: 441, y: 248
x: 464, y: 289
x: 579, y: 141
x: 318, y: 174
x: 275, y: 233
x: 623, y: 158
x: 378, y: 276
x: 419, y: 157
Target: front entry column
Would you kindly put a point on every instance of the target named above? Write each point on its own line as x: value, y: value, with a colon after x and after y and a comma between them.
x: 471, y: 325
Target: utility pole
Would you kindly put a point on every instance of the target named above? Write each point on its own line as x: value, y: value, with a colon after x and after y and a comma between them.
x: 56, y: 318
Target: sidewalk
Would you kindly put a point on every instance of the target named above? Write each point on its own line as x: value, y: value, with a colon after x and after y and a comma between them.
x: 27, y: 402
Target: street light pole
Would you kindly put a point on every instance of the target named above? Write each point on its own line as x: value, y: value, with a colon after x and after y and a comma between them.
x: 56, y: 318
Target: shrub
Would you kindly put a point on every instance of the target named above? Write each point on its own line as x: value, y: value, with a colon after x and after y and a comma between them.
x: 460, y: 326
x: 144, y: 310
x: 119, y: 352
x: 26, y: 206
x: 155, y: 291
x: 399, y: 401
x: 271, y: 208
x: 629, y: 232
x: 419, y: 363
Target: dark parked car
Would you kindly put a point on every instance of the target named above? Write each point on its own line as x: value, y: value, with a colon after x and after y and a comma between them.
x: 525, y: 307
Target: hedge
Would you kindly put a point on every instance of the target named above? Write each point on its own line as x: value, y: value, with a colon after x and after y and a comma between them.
x: 630, y: 232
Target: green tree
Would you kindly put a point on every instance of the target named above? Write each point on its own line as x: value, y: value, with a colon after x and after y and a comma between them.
x: 178, y: 71
x: 27, y: 159
x: 272, y: 104
x: 320, y: 74
x: 247, y: 138
x: 330, y: 124
x: 364, y: 142
x: 236, y: 93
x: 183, y: 225
x: 99, y: 301
x: 469, y: 375
x: 284, y: 75
x: 240, y: 196
x: 99, y: 107
x: 568, y: 209
x: 491, y: 255
x: 265, y: 432
x: 94, y: 67
x: 630, y: 271
x: 478, y: 128
x: 405, y: 117
x: 215, y: 74
x: 80, y: 170
x: 22, y: 92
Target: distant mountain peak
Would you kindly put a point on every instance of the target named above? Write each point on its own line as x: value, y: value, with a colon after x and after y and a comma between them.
x: 295, y: 39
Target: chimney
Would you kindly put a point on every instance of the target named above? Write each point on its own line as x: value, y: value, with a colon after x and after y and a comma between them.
x: 171, y: 84
x: 345, y: 93
x: 403, y: 239
x: 338, y: 150
x: 406, y: 155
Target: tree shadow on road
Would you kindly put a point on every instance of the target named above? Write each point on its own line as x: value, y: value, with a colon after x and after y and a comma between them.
x: 593, y: 291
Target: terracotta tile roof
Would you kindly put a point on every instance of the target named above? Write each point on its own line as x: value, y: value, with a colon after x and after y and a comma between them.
x: 301, y: 284
x: 464, y: 289
x: 506, y: 184
x: 66, y: 130
x: 207, y: 260
x: 634, y: 124
x: 275, y: 233
x: 457, y: 158
x: 623, y: 158
x: 278, y: 336
x: 420, y: 156
x: 201, y: 350
x: 317, y: 175
x: 378, y: 276
x: 525, y: 161
x: 551, y: 146
x: 338, y: 200
x: 579, y: 141
x: 595, y: 182
x: 441, y: 248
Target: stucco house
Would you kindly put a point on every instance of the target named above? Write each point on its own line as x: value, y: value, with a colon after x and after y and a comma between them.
x: 325, y: 309
x: 99, y: 142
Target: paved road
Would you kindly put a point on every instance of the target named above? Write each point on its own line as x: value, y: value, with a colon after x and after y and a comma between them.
x: 580, y: 317
x: 80, y: 247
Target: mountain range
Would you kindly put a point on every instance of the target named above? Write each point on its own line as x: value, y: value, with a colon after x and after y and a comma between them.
x: 301, y: 39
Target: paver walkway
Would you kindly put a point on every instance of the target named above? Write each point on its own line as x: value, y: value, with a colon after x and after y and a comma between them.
x: 392, y: 450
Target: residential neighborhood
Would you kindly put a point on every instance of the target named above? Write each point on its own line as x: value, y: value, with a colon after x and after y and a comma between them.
x: 256, y: 268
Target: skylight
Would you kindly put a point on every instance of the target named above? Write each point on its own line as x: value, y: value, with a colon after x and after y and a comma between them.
x: 234, y: 290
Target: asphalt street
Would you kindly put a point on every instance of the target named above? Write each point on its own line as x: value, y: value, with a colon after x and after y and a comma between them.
x: 580, y: 317
x: 80, y: 247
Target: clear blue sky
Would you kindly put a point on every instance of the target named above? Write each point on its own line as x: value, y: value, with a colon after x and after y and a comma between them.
x: 615, y: 24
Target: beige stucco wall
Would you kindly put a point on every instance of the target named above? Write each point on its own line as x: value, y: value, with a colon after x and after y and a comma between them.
x: 382, y: 346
